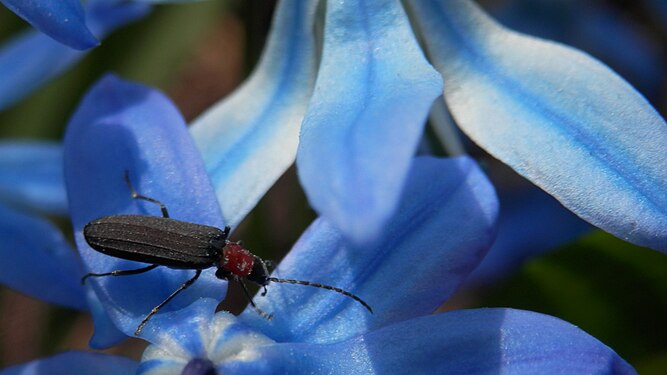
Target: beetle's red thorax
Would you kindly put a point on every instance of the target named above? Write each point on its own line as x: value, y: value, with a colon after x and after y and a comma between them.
x: 237, y: 260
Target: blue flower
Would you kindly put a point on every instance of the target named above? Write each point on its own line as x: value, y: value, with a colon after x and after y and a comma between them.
x: 30, y: 59
x: 63, y: 20
x: 442, y: 228
x: 67, y: 21
x: 555, y: 115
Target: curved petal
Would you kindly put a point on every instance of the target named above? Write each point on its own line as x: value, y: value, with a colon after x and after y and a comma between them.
x: 557, y: 116
x: 121, y: 126
x: 62, y: 20
x: 373, y: 93
x: 28, y: 61
x: 104, y: 16
x: 106, y: 333
x: 603, y: 31
x: 482, y: 341
x: 531, y: 223
x: 249, y: 139
x: 441, y: 231
x: 75, y: 363
x: 31, y: 59
x: 31, y: 175
x: 37, y: 260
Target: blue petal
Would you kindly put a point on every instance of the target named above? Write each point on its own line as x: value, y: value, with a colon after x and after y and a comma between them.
x: 531, y: 223
x: 28, y: 61
x: 31, y: 175
x: 441, y: 231
x: 104, y: 16
x: 249, y: 139
x: 605, y: 32
x: 31, y: 59
x: 63, y: 20
x: 373, y: 93
x: 557, y: 116
x: 123, y: 126
x: 75, y: 363
x: 106, y: 333
x: 37, y: 260
x: 482, y: 341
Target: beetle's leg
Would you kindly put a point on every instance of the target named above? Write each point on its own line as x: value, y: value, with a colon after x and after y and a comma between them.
x: 265, y: 266
x: 257, y: 309
x: 135, y: 195
x: 118, y: 272
x: 157, y: 308
x: 226, y: 231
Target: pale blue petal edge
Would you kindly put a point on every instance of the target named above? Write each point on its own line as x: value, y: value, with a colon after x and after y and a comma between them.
x: 557, y: 116
x: 481, y: 341
x: 37, y: 260
x: 373, y: 93
x: 62, y: 20
x: 30, y: 59
x: 249, y: 139
x: 75, y: 363
x: 126, y: 126
x: 443, y: 226
x: 31, y: 175
x: 531, y: 223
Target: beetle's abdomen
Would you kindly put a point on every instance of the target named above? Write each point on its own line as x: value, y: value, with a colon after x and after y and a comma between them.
x: 156, y: 240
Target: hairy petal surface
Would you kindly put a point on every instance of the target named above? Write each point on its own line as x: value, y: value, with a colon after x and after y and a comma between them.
x: 440, y: 232
x: 372, y: 96
x: 75, y: 363
x: 557, y: 116
x: 121, y: 126
x: 62, y: 20
x: 482, y: 341
x: 249, y: 139
x: 37, y: 260
x: 31, y: 174
x: 31, y: 59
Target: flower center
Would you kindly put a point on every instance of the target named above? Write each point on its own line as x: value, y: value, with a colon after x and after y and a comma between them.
x: 199, y: 366
x: 211, y: 346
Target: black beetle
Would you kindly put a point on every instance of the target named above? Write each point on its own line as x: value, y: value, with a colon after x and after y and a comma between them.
x: 162, y: 241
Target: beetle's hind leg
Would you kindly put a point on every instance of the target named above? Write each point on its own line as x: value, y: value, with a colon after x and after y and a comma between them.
x: 157, y: 308
x: 118, y: 272
x: 135, y: 195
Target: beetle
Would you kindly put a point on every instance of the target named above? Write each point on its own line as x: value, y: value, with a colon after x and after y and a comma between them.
x: 162, y: 241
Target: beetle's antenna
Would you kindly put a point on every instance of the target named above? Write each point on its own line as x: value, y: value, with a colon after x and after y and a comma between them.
x: 252, y: 303
x: 328, y: 287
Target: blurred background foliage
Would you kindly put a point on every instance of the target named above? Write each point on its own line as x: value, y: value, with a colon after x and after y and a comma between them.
x: 198, y: 52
